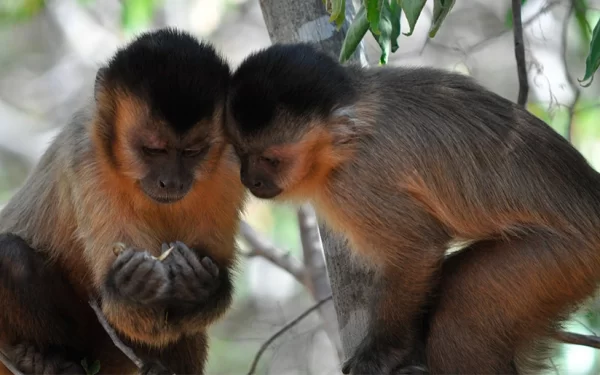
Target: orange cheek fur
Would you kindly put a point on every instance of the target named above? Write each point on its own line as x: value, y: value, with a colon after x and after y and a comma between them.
x: 314, y: 158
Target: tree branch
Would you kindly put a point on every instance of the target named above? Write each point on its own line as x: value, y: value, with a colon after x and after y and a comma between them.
x: 262, y: 247
x: 572, y: 84
x: 312, y: 274
x: 520, y: 52
x: 578, y: 339
x: 282, y: 331
x: 8, y: 364
x: 316, y: 278
x: 114, y: 337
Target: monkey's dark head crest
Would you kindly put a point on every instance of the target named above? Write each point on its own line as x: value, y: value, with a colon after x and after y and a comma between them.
x: 296, y: 80
x: 182, y: 79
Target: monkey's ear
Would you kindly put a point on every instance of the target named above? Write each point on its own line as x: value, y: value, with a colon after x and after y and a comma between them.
x: 346, y: 126
x: 99, y: 81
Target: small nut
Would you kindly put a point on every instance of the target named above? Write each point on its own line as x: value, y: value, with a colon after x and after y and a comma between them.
x: 118, y: 248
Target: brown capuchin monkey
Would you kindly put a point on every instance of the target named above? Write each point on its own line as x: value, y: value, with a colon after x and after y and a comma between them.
x: 404, y: 161
x: 145, y: 165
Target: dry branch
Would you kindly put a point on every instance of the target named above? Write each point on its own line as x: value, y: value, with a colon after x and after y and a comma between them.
x: 262, y: 247
x: 114, y: 337
x: 572, y: 84
x: 317, y: 280
x: 520, y: 52
x: 578, y: 339
x: 8, y: 364
x: 312, y: 274
x: 282, y: 331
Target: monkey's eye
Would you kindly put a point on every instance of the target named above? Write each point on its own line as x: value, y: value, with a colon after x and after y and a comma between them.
x: 194, y: 152
x: 153, y: 151
x: 270, y: 161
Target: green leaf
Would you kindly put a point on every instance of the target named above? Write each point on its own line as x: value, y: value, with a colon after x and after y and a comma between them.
x: 356, y: 32
x: 585, y: 29
x: 338, y: 13
x: 508, y: 20
x: 396, y: 12
x: 441, y: 8
x: 19, y: 10
x: 137, y: 14
x: 374, y: 14
x: 94, y: 368
x: 412, y: 10
x: 385, y: 36
x: 592, y: 62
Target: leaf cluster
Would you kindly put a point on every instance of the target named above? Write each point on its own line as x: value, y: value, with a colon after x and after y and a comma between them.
x: 382, y: 19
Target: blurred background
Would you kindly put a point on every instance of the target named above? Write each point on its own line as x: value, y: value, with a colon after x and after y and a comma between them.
x: 50, y: 51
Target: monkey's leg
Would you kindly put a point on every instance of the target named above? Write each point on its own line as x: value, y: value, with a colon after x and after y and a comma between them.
x: 39, y: 324
x: 395, y: 337
x: 186, y: 356
x: 497, y: 297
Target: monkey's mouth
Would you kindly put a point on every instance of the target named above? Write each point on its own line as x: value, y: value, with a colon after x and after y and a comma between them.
x: 166, y: 200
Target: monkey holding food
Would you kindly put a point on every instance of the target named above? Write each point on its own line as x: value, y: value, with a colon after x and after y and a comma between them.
x: 404, y: 161
x: 146, y: 164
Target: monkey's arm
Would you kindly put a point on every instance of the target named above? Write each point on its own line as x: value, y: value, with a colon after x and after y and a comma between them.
x: 394, y: 338
x: 40, y: 320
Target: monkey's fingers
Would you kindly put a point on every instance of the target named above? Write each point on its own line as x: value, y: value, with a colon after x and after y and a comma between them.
x: 199, y: 268
x: 210, y: 266
x: 126, y: 264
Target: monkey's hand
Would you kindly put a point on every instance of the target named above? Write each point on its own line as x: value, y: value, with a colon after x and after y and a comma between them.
x: 373, y: 357
x: 30, y: 360
x: 193, y: 279
x: 138, y: 277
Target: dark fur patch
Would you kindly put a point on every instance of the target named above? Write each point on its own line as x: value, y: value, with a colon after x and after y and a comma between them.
x: 181, y: 78
x: 294, y: 77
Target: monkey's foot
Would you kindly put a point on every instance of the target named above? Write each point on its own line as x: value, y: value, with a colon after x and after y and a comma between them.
x: 373, y: 358
x: 137, y: 276
x: 193, y: 279
x: 29, y: 360
x: 154, y: 368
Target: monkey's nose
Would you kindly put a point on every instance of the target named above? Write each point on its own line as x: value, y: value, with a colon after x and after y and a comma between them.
x: 169, y: 184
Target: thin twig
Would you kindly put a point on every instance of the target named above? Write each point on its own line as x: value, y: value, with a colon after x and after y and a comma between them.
x: 483, y: 43
x: 262, y: 247
x: 520, y: 52
x: 114, y: 337
x: 574, y: 86
x: 8, y: 364
x: 282, y: 331
x: 578, y: 339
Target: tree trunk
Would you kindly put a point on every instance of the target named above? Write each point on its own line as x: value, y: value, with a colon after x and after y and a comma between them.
x: 291, y: 21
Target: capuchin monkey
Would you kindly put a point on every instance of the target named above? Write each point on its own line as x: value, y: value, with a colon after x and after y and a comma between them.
x: 146, y: 166
x: 404, y: 161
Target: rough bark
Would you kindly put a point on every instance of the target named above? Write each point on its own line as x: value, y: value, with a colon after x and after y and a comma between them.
x: 291, y: 21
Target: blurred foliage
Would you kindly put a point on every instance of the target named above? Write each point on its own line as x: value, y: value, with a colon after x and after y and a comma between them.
x: 135, y: 14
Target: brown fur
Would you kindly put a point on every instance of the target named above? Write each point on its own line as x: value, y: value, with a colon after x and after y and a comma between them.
x: 77, y: 203
x: 428, y: 158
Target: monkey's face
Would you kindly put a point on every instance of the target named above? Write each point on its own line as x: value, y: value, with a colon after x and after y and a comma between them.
x: 271, y: 167
x: 167, y: 166
x: 163, y: 162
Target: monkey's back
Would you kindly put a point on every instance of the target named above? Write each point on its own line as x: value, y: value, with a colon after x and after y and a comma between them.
x: 471, y: 156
